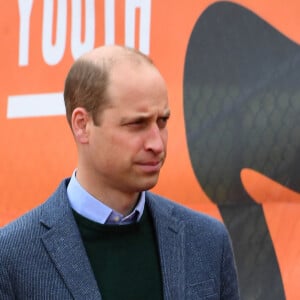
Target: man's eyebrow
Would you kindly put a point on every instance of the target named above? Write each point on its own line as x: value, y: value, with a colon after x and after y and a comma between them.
x: 134, y: 117
x: 167, y: 113
x: 144, y: 116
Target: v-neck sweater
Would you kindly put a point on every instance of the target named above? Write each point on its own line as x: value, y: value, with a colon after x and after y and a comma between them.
x: 124, y: 258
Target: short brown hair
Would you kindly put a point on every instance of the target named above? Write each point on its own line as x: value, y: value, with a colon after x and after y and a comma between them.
x: 87, y: 81
x: 85, y: 86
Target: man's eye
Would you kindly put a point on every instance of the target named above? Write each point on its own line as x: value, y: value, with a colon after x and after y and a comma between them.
x: 136, y: 123
x: 162, y: 122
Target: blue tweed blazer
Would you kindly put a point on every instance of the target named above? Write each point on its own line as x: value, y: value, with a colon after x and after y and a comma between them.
x: 42, y: 255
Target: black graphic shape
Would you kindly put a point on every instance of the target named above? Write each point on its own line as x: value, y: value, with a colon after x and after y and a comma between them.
x: 242, y: 106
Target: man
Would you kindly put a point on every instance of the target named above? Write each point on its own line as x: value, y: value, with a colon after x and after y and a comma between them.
x: 102, y: 235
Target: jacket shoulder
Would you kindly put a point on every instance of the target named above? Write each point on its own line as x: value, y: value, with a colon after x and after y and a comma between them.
x: 180, y: 211
x: 28, y: 227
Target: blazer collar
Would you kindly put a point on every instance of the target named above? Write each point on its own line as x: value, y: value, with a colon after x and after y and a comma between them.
x: 63, y: 243
x: 170, y: 235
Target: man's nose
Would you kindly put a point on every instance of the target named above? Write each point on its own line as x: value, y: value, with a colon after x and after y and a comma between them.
x: 155, y: 140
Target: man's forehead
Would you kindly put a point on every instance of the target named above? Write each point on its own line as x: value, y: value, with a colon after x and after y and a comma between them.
x: 142, y: 108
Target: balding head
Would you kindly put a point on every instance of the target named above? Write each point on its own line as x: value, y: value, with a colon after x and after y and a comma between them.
x: 112, y: 55
x: 87, y: 81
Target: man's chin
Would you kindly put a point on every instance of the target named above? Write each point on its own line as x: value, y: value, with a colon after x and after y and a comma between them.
x: 148, y: 184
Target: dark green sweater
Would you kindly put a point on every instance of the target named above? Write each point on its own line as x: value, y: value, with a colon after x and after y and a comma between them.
x: 124, y: 258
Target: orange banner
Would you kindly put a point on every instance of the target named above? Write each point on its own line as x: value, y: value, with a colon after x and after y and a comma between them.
x: 41, y: 39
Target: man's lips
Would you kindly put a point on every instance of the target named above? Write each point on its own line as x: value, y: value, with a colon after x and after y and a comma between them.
x: 150, y: 166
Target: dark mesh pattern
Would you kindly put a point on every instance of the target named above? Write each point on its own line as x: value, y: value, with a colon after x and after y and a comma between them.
x: 241, y: 103
x: 241, y: 108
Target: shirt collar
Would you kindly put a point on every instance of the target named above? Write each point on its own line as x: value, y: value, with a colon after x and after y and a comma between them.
x: 93, y: 209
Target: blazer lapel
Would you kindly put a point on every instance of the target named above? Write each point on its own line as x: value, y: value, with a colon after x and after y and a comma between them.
x: 64, y: 245
x: 170, y: 236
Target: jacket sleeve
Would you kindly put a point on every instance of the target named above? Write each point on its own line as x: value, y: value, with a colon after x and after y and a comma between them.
x: 229, y: 277
x: 6, y: 290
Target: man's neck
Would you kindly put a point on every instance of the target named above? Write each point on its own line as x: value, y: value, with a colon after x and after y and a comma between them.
x: 120, y: 201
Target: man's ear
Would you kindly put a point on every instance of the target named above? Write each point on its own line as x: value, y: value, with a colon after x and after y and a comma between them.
x: 80, y: 119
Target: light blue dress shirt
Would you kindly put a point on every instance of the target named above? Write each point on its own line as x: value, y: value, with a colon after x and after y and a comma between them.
x: 93, y: 209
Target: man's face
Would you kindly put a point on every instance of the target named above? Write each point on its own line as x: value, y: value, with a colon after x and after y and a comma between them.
x: 128, y: 148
